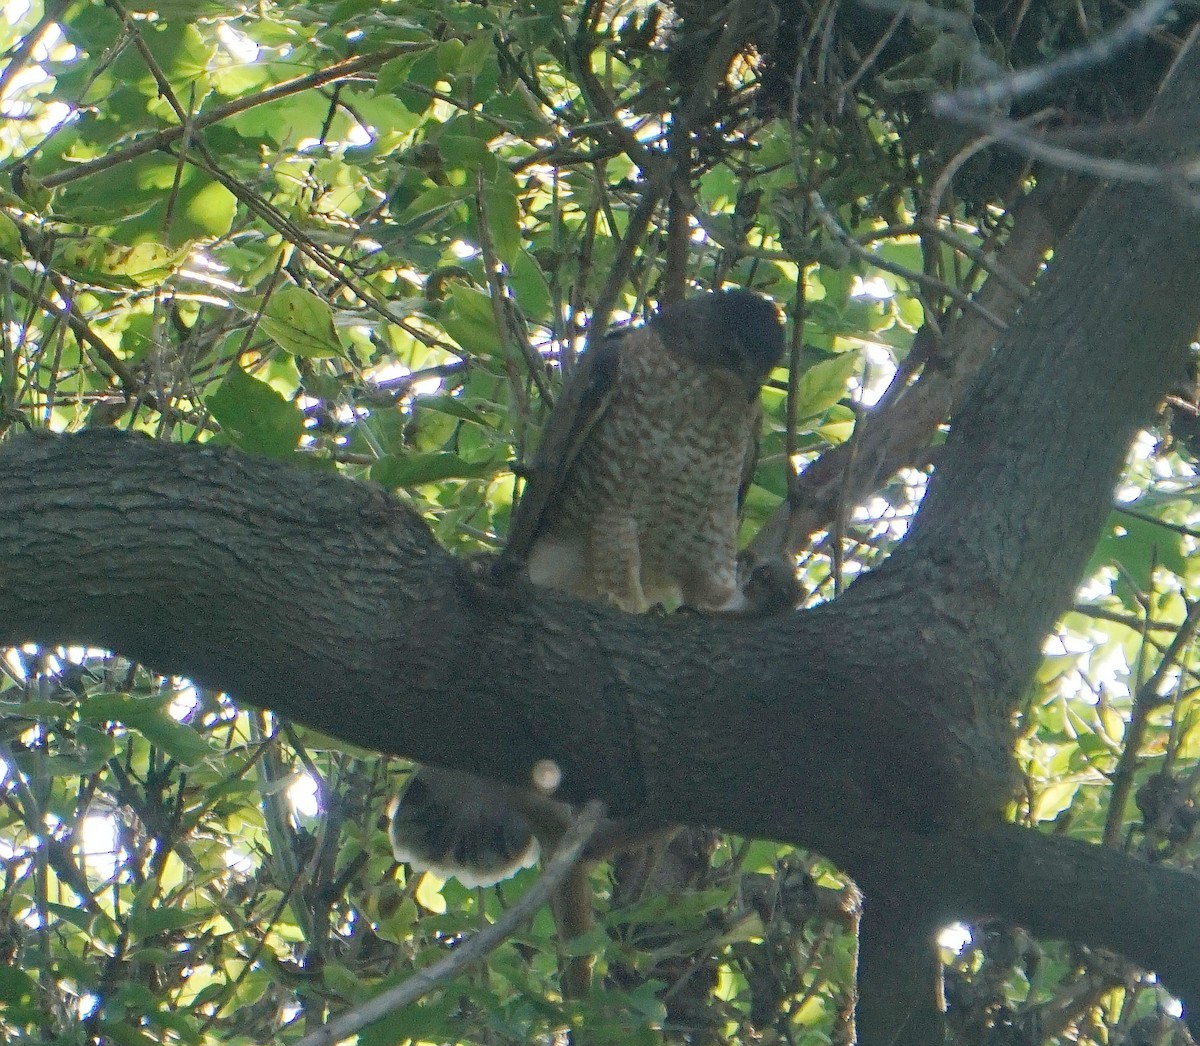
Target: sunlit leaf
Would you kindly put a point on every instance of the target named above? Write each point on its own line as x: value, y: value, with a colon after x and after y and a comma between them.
x: 429, y: 893
x: 301, y: 323
x: 1053, y: 799
x: 256, y: 417
x: 412, y: 470
x: 824, y: 383
x: 10, y: 239
x: 471, y: 322
x: 115, y: 264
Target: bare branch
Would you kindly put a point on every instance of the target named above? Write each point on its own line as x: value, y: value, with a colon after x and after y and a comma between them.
x: 468, y: 953
x: 893, y: 436
x: 1001, y: 89
x: 351, y: 67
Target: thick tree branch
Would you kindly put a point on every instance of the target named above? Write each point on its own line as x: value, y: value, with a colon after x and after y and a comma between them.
x: 329, y: 602
x: 1056, y: 888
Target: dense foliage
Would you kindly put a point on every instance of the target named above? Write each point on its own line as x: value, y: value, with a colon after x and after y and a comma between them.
x: 369, y: 237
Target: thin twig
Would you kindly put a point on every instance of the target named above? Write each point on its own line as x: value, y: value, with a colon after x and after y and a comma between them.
x: 934, y: 206
x: 315, y: 253
x: 984, y: 259
x: 1014, y: 136
x: 1131, y: 621
x: 790, y: 443
x: 729, y: 239
x: 1147, y: 699
x: 969, y: 100
x: 639, y: 222
x: 514, y: 339
x: 909, y: 415
x: 81, y: 330
x: 1146, y: 517
x: 964, y: 301
x: 472, y: 951
x: 169, y: 135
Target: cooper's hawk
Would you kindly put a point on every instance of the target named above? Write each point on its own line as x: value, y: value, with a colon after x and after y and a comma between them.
x: 632, y: 499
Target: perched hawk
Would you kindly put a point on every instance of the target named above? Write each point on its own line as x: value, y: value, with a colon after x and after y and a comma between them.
x: 632, y: 499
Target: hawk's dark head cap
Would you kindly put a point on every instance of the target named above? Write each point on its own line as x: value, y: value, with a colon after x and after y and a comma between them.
x: 736, y: 330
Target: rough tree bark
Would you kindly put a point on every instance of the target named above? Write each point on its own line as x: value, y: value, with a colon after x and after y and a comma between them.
x: 874, y: 729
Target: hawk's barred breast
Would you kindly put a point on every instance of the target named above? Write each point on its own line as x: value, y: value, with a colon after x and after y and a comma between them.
x: 646, y: 509
x: 649, y: 511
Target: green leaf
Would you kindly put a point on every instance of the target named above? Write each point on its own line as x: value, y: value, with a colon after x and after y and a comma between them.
x: 181, y: 52
x: 475, y: 56
x: 1052, y: 800
x: 149, y: 718
x: 121, y: 1034
x: 57, y: 710
x: 433, y: 202
x: 449, y: 54
x: 119, y: 708
x: 466, y: 151
x: 91, y: 923
x: 10, y: 239
x: 824, y: 383
x: 763, y: 855
x: 413, y: 470
x: 132, y: 202
x: 301, y: 323
x: 422, y: 70
x: 96, y: 748
x: 316, y: 741
x: 396, y: 73
x: 470, y: 322
x: 255, y: 417
x: 451, y: 405
x: 144, y: 264
x: 503, y: 221
x: 149, y: 922
x: 284, y: 119
x: 529, y: 285
x: 178, y: 740
x: 426, y: 1020
x: 204, y: 210
x: 1138, y: 545
x: 16, y: 986
x: 342, y: 981
x: 181, y: 10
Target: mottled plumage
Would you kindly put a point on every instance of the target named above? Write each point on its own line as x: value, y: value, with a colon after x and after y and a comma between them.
x: 632, y: 499
x: 633, y: 496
